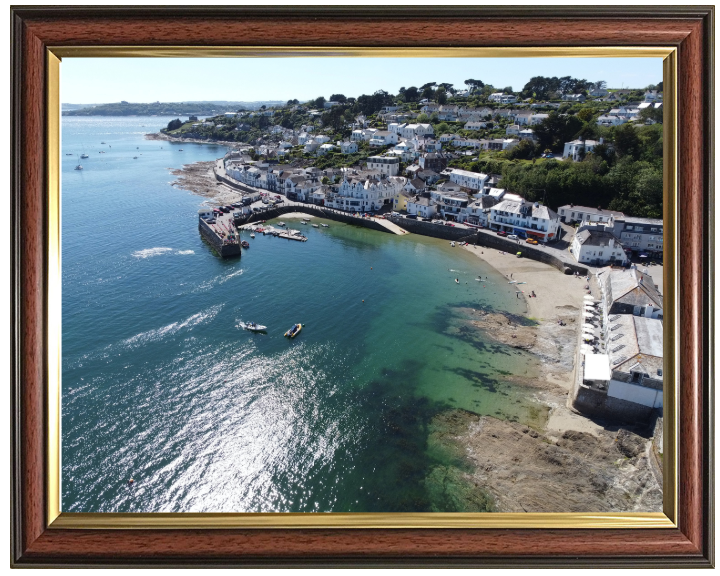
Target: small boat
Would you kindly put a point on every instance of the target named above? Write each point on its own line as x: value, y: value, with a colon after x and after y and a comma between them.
x: 252, y: 235
x: 180, y: 150
x: 325, y: 225
x: 281, y: 224
x: 78, y: 167
x: 303, y: 222
x: 68, y: 154
x: 102, y: 142
x: 84, y: 156
x: 253, y: 327
x: 294, y: 331
x: 134, y: 157
x: 452, y: 244
x: 315, y: 226
x: 245, y: 244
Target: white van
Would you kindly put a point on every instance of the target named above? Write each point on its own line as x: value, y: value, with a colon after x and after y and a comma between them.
x: 512, y: 237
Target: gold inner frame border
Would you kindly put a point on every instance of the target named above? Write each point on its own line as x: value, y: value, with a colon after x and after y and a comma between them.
x: 56, y: 519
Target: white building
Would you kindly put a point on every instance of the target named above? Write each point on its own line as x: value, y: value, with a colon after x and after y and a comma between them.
x: 475, y: 125
x: 422, y: 207
x: 626, y: 381
x: 383, y: 138
x: 325, y: 148
x: 525, y: 219
x: 363, y: 192
x: 347, y: 147
x: 571, y: 214
x: 362, y: 134
x: 578, y: 148
x: 598, y: 248
x: 412, y: 130
x: 537, y: 118
x: 472, y: 180
x: 608, y: 120
x: 502, y: 98
x: 389, y: 165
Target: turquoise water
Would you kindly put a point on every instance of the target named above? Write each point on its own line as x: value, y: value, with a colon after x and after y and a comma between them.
x: 161, y: 385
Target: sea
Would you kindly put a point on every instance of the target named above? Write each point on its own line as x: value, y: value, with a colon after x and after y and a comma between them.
x: 161, y: 385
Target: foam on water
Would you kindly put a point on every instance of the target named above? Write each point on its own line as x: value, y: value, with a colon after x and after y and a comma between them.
x: 149, y: 252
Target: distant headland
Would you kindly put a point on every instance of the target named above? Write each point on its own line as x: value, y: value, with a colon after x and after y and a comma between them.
x: 124, y: 108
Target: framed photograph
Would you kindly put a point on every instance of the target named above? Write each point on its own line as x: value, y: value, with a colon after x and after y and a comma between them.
x: 432, y: 323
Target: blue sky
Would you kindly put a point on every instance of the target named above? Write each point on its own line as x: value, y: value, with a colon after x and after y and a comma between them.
x: 100, y: 80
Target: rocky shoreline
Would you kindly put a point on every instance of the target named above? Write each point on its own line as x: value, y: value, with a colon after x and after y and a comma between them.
x: 166, y: 138
x: 572, y: 464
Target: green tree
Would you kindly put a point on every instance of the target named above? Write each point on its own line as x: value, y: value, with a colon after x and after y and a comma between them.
x: 586, y: 114
x: 441, y: 95
x: 555, y: 130
x: 174, y: 124
x: 525, y: 150
x: 627, y: 141
x: 474, y: 85
x: 338, y: 98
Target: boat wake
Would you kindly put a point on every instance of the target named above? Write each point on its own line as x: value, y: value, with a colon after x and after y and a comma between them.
x: 171, y: 329
x: 148, y: 252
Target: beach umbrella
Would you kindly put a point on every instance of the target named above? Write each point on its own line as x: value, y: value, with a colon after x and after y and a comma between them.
x: 588, y: 315
x: 587, y: 337
x: 590, y: 326
x: 588, y: 297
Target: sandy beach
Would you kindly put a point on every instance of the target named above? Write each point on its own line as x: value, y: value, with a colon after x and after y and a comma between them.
x: 552, y: 287
x: 558, y: 297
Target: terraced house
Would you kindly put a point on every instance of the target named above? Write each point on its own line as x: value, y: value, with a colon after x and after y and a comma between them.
x: 525, y: 219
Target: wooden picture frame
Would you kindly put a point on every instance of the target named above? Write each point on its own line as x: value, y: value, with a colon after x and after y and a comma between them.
x: 36, y: 31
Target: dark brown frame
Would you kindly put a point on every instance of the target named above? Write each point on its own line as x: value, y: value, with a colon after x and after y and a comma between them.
x: 689, y: 29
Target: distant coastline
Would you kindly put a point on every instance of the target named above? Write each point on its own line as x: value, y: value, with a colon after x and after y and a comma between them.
x: 163, y: 108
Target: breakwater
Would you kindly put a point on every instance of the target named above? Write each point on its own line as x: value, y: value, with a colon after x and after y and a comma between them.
x: 224, y: 248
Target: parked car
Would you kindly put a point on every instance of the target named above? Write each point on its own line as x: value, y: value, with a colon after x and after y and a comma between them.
x: 412, y: 216
x: 512, y: 237
x: 531, y: 241
x: 394, y: 214
x: 449, y: 224
x: 501, y: 233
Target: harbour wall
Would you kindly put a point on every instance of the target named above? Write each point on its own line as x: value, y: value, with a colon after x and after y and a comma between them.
x: 422, y: 228
x: 224, y: 250
x: 318, y: 211
x: 488, y: 240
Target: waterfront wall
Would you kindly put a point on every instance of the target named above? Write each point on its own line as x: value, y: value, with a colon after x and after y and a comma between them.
x: 234, y: 184
x: 318, y: 211
x: 432, y: 230
x: 598, y: 404
x: 488, y: 240
x: 224, y: 250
